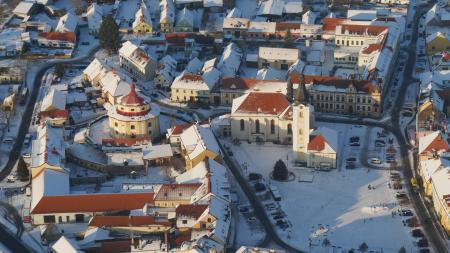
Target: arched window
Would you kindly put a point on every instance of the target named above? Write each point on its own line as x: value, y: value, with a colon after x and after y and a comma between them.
x: 257, y: 126
x: 242, y: 125
x: 272, y: 126
x: 289, y: 129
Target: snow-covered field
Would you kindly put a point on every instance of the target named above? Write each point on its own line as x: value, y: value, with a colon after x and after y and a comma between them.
x: 337, y: 205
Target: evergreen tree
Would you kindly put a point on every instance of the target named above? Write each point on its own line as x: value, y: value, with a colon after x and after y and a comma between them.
x: 60, y: 70
x: 280, y: 171
x: 288, y: 40
x: 363, y: 247
x: 22, y: 170
x: 109, y: 35
x: 402, y: 250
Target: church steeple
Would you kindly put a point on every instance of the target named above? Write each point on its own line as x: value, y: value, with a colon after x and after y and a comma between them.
x: 300, y: 96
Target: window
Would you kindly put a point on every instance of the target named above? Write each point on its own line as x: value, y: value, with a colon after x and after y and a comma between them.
x: 209, y: 219
x: 132, y: 126
x: 116, y: 124
x: 149, y: 124
x: 272, y: 126
x: 60, y: 219
x: 289, y: 129
x: 257, y: 126
x: 242, y: 125
x: 49, y: 218
x: 184, y: 221
x: 79, y: 218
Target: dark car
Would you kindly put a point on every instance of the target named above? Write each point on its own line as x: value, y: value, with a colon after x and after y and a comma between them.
x: 422, y: 243
x: 425, y: 250
x: 243, y: 209
x: 259, y: 187
x: 350, y: 166
x: 401, y: 195
x: 254, y: 176
x: 351, y: 159
x: 417, y: 233
x: 407, y: 213
x: 354, y: 144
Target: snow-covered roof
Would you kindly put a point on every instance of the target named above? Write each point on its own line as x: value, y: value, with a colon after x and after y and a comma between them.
x: 278, y: 54
x: 65, y: 245
x: 271, y: 8
x: 119, y: 158
x: 197, y: 139
x: 23, y: 8
x: 212, y: 3
x: 434, y: 141
x: 245, y: 249
x: 185, y: 16
x: 324, y: 140
x: 234, y: 23
x: 262, y: 27
x: 167, y: 11
x: 142, y: 16
x: 270, y: 73
x: 190, y: 81
x: 309, y: 17
x: 54, y: 100
x: 95, y: 234
x: 67, y: 23
x: 49, y: 183
x: 429, y: 167
x: 48, y: 147
x: 209, y: 64
x: 114, y: 84
x: 235, y: 13
x: 194, y: 175
x: 157, y: 151
x: 168, y: 61
x: 435, y: 35
x: 441, y: 183
x: 134, y: 54
x: 94, y: 16
x: 194, y: 66
x: 293, y: 7
x: 220, y: 209
x: 297, y: 67
x: 362, y: 15
x: 95, y: 69
x: 230, y: 60
x: 211, y: 77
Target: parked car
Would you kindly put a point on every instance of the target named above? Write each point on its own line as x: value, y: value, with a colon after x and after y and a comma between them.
x: 254, y: 176
x: 406, y: 212
x: 401, y: 195
x: 11, y: 179
x: 259, y: 187
x: 350, y: 166
x: 379, y: 144
x: 8, y: 140
x: 351, y: 159
x: 424, y: 250
x: 375, y: 160
x: 417, y: 232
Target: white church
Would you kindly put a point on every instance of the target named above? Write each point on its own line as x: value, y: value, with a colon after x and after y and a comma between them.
x: 270, y: 117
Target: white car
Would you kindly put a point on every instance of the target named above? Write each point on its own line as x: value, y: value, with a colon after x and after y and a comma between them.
x: 375, y: 160
x: 11, y: 179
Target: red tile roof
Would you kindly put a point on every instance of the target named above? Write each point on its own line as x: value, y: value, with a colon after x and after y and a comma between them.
x: 176, y: 240
x: 124, y: 221
x: 446, y: 55
x: 372, y: 48
x: 126, y: 142
x: 115, y: 246
x: 317, y: 142
x: 87, y: 203
x: 272, y: 103
x: 190, y: 210
x: 362, y: 29
x: 238, y: 83
x: 55, y: 114
x: 281, y: 26
x: 132, y: 98
x: 360, y: 85
x: 438, y: 144
x: 329, y: 24
x: 66, y: 36
x: 178, y: 129
x: 191, y: 77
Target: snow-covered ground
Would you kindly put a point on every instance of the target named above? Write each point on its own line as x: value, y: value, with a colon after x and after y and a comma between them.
x: 337, y: 205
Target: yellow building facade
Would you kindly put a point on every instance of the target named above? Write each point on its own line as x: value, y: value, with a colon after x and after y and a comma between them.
x: 133, y: 117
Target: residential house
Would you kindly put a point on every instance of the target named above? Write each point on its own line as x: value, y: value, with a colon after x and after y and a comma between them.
x: 437, y: 42
x: 94, y: 16
x: 57, y: 40
x: 24, y: 9
x: 185, y: 21
x: 345, y: 96
x: 278, y: 58
x: 47, y: 150
x: 167, y: 16
x: 166, y: 72
x: 136, y: 61
x: 172, y: 195
x: 432, y: 145
x: 142, y: 23
x: 197, y: 143
x: 53, y: 108
x: 230, y: 61
x: 193, y: 88
x: 67, y: 23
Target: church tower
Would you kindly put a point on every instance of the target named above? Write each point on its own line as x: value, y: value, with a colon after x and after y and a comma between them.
x: 303, y: 120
